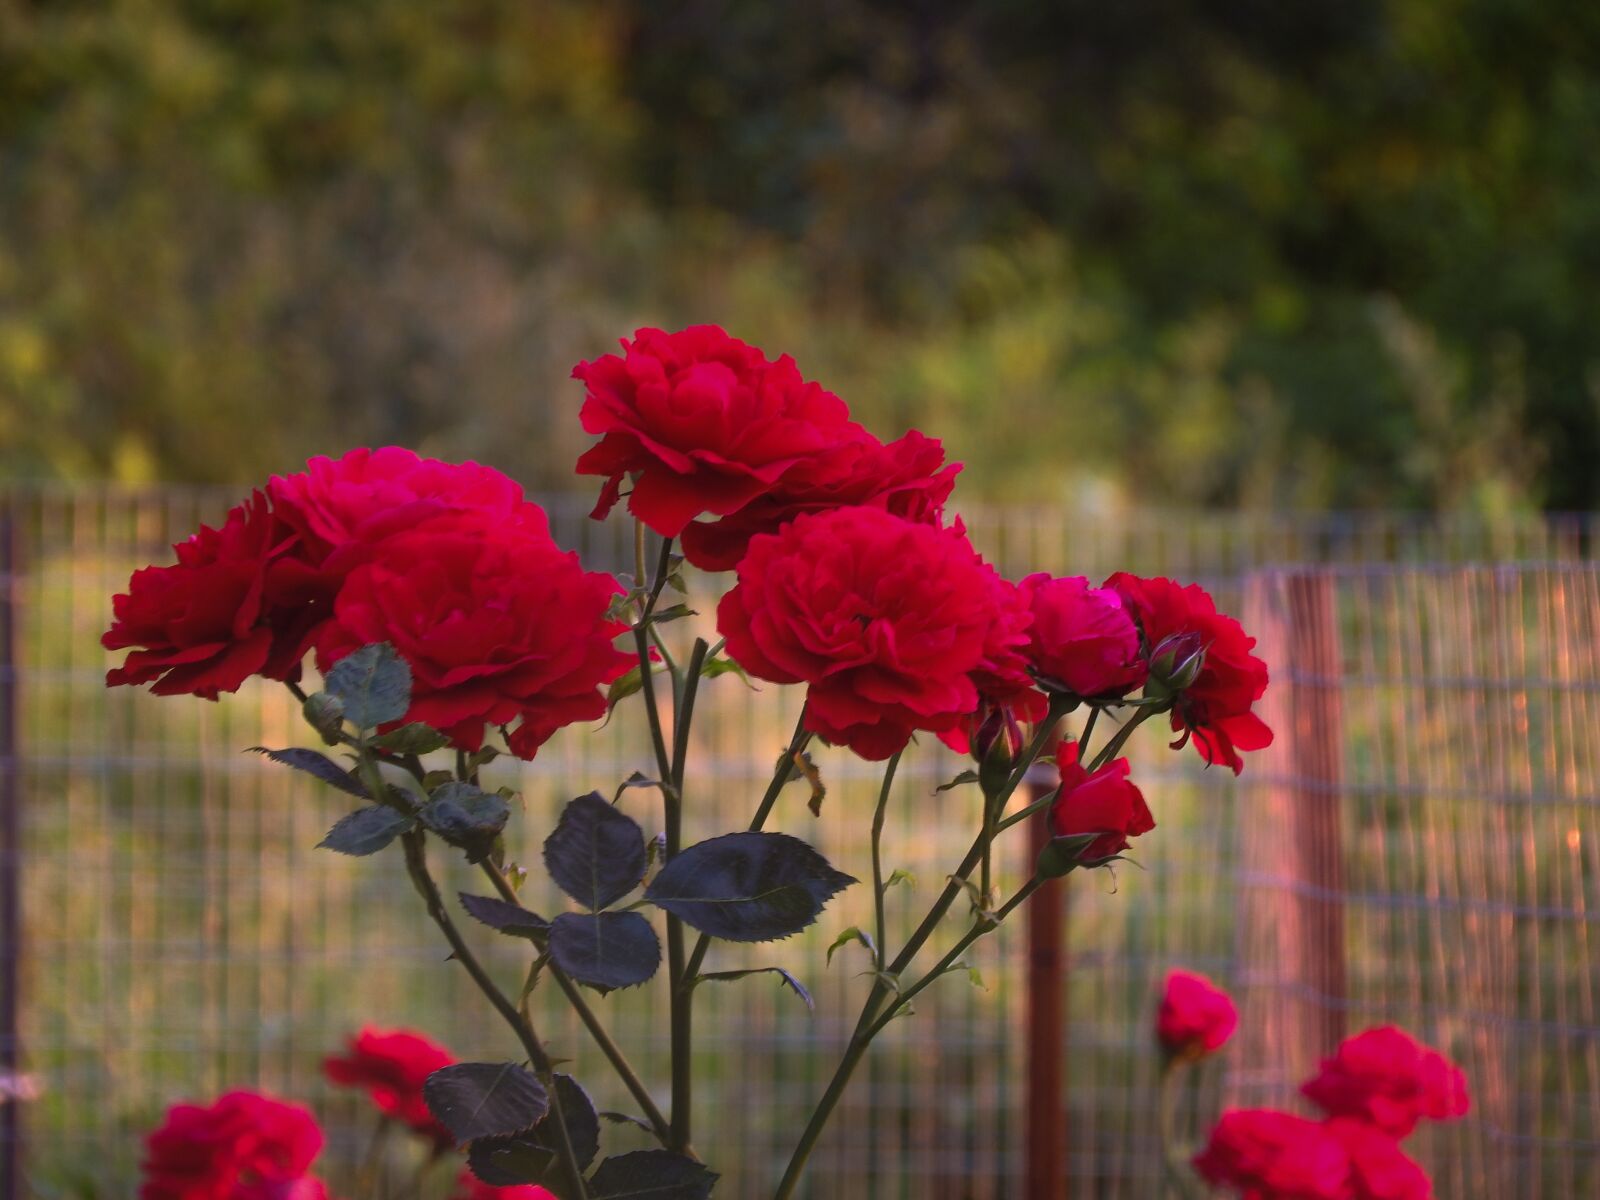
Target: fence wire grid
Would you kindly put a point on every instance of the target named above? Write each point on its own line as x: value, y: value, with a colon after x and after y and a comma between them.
x: 1419, y: 846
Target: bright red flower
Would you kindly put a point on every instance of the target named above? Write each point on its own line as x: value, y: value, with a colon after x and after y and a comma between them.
x: 392, y: 1065
x: 1379, y: 1169
x: 907, y: 477
x: 245, y: 1146
x: 343, y: 506
x: 704, y: 422
x: 238, y: 602
x: 1196, y: 1016
x: 1104, y: 802
x: 497, y: 623
x: 1007, y: 697
x: 1215, y: 708
x: 884, y: 618
x: 470, y: 1187
x: 1387, y: 1078
x: 1082, y: 638
x: 1267, y: 1155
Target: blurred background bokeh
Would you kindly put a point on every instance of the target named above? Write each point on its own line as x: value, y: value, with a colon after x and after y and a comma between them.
x: 1299, y: 301
x: 1337, y: 253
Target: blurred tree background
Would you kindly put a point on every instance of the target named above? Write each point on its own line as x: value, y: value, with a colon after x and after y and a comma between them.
x: 1215, y: 252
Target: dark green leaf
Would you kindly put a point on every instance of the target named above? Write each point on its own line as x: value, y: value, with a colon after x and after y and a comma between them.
x: 373, y: 684
x: 789, y: 981
x: 605, y: 950
x: 466, y: 816
x: 595, y: 853
x: 637, y: 780
x: 623, y: 686
x: 583, y: 1123
x: 622, y: 1118
x: 320, y: 765
x: 747, y: 887
x: 519, y: 1158
x: 960, y: 780
x: 726, y: 666
x: 474, y: 1100
x: 415, y: 738
x: 366, y: 831
x: 672, y: 612
x: 651, y: 1175
x: 504, y: 916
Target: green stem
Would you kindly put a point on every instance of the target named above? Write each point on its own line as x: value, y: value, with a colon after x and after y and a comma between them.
x: 415, y: 847
x: 1174, y: 1166
x: 1118, y: 739
x: 591, y: 1022
x: 877, y: 855
x: 681, y: 996
x: 780, y: 777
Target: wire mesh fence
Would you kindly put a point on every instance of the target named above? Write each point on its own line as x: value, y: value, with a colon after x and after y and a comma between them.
x: 1419, y: 846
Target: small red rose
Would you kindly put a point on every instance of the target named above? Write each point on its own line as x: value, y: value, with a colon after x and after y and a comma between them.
x: 1104, y: 802
x: 1196, y: 1016
x: 1387, y: 1078
x: 496, y: 622
x: 392, y: 1066
x: 1265, y: 1155
x: 238, y: 602
x: 704, y: 423
x: 1007, y: 695
x: 907, y: 478
x: 885, y: 619
x: 1379, y: 1169
x: 470, y: 1187
x: 245, y: 1146
x: 1082, y: 639
x: 1214, y: 707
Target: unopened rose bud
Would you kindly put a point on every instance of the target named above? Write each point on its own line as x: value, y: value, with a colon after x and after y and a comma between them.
x: 1175, y: 663
x: 996, y: 744
x: 326, y: 715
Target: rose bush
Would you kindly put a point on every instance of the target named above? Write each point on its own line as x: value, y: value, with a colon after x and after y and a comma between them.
x: 442, y: 616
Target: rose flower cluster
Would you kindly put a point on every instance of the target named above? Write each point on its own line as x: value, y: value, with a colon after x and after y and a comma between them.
x: 449, y: 563
x: 1374, y: 1091
x: 249, y: 1146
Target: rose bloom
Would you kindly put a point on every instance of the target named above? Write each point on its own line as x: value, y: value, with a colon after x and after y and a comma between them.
x: 1215, y: 708
x: 1104, y: 802
x: 704, y: 422
x: 238, y: 602
x: 1196, y: 1016
x: 470, y: 1187
x: 1082, y: 639
x: 1379, y: 1169
x: 392, y: 1066
x: 1007, y: 697
x: 342, y: 506
x: 885, y: 619
x: 497, y: 623
x: 1387, y: 1078
x: 1267, y: 1155
x: 245, y: 1146
x: 907, y: 478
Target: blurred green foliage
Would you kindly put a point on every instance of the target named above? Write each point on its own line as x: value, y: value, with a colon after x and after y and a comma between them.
x: 1221, y: 252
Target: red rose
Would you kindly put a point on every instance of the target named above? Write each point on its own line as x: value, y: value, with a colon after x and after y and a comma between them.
x: 350, y: 503
x: 496, y: 622
x: 470, y: 1187
x: 1379, y: 1169
x: 392, y: 1067
x: 237, y: 603
x: 1215, y: 707
x: 1387, y: 1078
x: 1082, y: 637
x: 1196, y: 1016
x: 243, y: 1147
x: 884, y: 618
x: 704, y: 422
x: 1267, y: 1155
x: 907, y: 478
x: 1007, y: 696
x: 1104, y: 802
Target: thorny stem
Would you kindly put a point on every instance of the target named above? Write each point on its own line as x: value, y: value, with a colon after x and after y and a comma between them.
x: 414, y: 844
x: 602, y: 1039
x: 877, y: 855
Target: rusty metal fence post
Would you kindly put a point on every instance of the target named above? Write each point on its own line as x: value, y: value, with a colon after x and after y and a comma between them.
x: 1046, y: 1114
